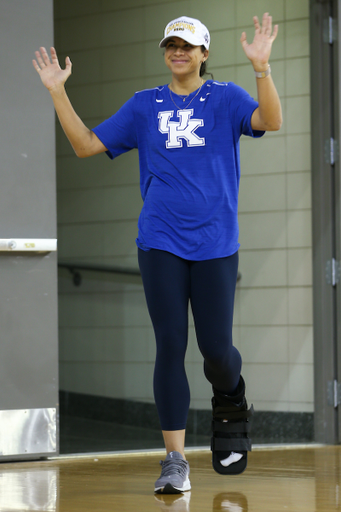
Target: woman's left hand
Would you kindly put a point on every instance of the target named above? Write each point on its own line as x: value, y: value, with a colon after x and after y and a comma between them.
x: 258, y: 52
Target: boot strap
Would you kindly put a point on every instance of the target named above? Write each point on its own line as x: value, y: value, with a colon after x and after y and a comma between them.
x: 224, y: 444
x: 242, y: 427
x: 223, y: 413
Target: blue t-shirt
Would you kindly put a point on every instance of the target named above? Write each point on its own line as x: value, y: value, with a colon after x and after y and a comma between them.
x: 189, y: 165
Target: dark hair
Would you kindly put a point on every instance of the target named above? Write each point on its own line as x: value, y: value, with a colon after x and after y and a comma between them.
x: 204, y: 65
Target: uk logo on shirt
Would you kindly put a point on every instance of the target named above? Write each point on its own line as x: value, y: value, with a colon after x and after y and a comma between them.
x: 181, y: 130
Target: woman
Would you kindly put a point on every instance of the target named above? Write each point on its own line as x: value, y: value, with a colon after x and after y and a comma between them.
x: 187, y: 134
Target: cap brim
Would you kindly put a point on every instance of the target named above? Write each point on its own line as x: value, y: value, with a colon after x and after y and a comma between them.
x: 164, y: 41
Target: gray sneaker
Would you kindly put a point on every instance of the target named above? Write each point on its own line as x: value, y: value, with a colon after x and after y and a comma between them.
x: 174, y: 475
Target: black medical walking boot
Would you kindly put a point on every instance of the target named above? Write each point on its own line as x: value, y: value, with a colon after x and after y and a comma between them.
x: 230, y: 427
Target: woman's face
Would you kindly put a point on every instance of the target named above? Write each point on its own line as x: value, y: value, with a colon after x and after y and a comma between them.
x: 183, y: 58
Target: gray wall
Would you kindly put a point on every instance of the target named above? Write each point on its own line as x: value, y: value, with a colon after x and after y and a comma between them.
x: 106, y: 340
x: 28, y: 304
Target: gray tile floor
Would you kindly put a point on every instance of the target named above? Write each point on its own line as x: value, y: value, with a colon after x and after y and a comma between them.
x: 78, y: 435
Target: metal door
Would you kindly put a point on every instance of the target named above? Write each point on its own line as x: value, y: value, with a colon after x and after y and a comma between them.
x: 326, y: 194
x: 28, y: 266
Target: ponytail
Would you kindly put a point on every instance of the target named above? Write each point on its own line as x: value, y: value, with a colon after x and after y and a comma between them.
x: 203, y: 69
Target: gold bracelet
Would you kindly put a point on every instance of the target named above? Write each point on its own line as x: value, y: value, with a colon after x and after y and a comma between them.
x: 263, y: 74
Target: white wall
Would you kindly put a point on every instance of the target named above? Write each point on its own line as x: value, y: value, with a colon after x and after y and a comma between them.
x: 106, y: 340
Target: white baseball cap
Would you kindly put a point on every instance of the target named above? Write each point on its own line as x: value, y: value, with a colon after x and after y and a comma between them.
x: 189, y: 29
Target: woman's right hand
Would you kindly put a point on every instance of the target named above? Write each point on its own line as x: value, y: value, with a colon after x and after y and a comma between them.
x: 51, y: 74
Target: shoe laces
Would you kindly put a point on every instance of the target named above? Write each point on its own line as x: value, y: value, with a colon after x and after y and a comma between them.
x: 169, y: 467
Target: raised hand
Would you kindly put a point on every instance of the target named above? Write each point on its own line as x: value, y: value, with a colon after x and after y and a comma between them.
x: 50, y: 71
x: 258, y: 52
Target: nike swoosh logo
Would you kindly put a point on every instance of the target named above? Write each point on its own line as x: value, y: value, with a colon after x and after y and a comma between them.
x: 202, y: 99
x: 159, y: 101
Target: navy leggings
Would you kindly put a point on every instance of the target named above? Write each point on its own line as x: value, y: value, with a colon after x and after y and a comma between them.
x: 170, y: 283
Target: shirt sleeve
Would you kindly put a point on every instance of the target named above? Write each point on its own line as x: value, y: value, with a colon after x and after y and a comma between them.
x: 118, y: 133
x: 242, y: 106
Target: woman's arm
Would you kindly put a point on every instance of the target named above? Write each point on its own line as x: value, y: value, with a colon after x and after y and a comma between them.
x: 268, y: 116
x: 84, y: 141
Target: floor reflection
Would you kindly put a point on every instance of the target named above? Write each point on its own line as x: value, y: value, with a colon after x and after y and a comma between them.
x: 222, y: 502
x: 174, y: 503
x: 29, y: 489
x: 283, y: 479
x: 230, y: 502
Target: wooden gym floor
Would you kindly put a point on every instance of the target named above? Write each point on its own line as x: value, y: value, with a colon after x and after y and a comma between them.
x: 289, y: 479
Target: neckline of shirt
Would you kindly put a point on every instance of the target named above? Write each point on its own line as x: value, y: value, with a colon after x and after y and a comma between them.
x: 167, y: 89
